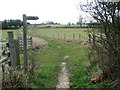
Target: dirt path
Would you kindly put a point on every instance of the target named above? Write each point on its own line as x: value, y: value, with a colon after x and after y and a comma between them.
x: 63, y: 78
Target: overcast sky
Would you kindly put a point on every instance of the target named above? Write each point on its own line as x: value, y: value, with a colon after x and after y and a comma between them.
x: 60, y: 11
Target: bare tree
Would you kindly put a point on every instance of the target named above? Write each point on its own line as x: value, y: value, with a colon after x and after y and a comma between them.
x: 80, y: 20
x: 107, y: 15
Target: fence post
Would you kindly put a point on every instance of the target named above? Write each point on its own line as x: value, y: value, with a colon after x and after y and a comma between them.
x: 3, y: 74
x: 73, y: 36
x: 89, y: 38
x: 20, y: 43
x: 12, y: 49
x: 53, y: 35
x: 58, y: 35
x: 6, y: 38
x: 25, y: 42
x: 17, y: 52
x: 31, y: 42
x: 64, y: 36
x: 1, y: 77
x: 79, y: 37
x: 93, y: 39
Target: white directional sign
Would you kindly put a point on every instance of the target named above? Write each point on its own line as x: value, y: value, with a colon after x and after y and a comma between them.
x: 32, y: 18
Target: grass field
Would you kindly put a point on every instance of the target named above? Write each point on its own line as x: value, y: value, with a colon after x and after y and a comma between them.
x: 50, y: 32
x: 50, y: 59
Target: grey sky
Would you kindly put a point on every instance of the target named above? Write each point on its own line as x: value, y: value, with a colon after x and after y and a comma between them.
x: 61, y: 11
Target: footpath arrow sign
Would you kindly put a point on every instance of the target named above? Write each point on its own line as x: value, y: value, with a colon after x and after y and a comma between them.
x: 32, y: 18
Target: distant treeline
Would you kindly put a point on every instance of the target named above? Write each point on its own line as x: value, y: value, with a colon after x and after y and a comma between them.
x: 87, y: 25
x: 93, y: 25
x: 11, y: 24
x: 49, y: 23
x: 15, y: 24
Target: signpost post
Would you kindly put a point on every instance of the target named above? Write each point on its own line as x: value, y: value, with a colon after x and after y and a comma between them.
x: 0, y: 56
x: 25, y: 18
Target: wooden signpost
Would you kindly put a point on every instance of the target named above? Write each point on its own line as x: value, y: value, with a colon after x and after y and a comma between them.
x: 25, y: 18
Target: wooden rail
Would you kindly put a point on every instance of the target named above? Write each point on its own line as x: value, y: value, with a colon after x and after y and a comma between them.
x: 29, y: 43
x: 13, y: 48
x: 12, y: 51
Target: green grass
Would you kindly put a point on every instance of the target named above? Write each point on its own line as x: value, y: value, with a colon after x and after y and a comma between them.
x: 49, y: 65
x: 80, y: 74
x: 4, y: 33
x: 50, y: 59
x: 68, y: 31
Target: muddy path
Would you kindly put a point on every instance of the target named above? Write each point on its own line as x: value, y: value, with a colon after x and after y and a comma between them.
x: 63, y: 77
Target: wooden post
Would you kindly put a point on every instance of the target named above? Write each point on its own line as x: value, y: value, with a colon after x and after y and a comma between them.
x: 28, y: 39
x: 31, y: 42
x: 89, y: 38
x: 25, y: 42
x: 79, y: 37
x: 53, y: 35
x: 12, y: 49
x: 73, y: 36
x: 45, y: 34
x: 93, y: 39
x: 58, y: 35
x: 3, y: 74
x: 64, y: 36
x: 17, y: 52
x: 6, y: 38
x: 20, y: 43
x: 1, y: 77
